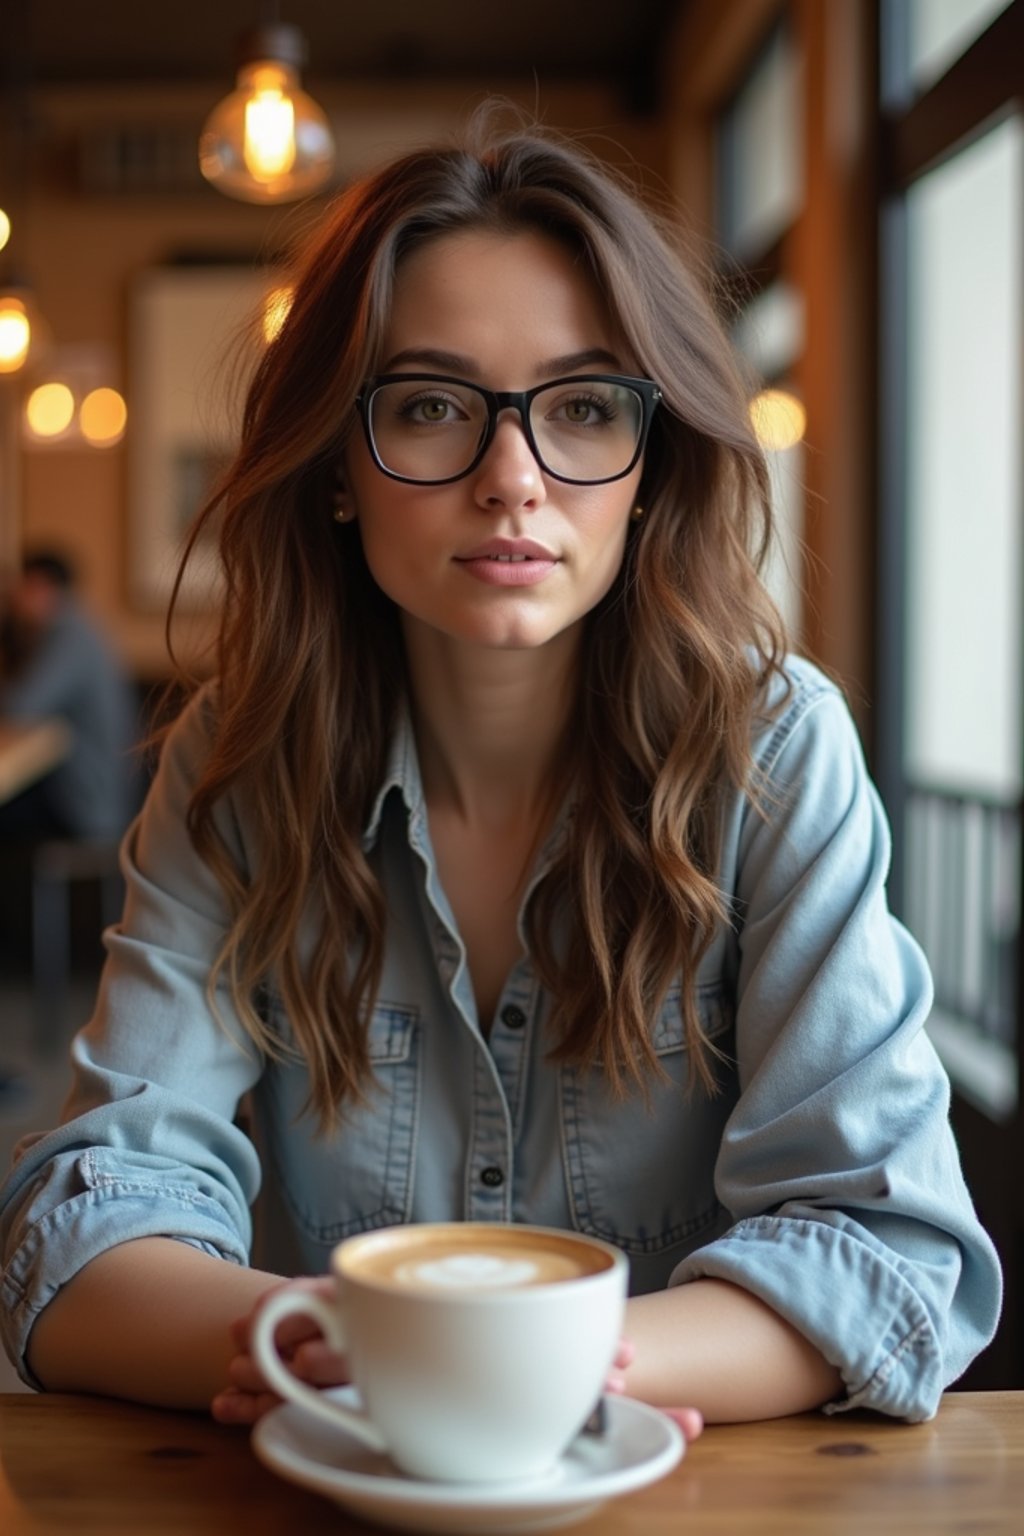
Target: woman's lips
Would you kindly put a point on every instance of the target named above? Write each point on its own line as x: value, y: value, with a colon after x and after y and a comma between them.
x: 507, y: 573
x: 508, y: 562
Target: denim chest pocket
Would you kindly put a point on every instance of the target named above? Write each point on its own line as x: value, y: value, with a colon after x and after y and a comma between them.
x: 641, y: 1174
x: 361, y: 1175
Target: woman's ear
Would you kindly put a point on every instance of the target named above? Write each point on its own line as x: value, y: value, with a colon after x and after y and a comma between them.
x: 341, y: 502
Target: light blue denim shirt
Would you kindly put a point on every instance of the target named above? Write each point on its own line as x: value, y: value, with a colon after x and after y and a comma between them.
x: 823, y: 1177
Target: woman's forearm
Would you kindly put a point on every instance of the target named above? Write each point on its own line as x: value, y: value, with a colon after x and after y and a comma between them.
x: 150, y: 1320
x: 717, y: 1347
x: 147, y: 1320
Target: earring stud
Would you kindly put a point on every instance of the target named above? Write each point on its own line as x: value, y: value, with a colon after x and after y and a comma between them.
x: 636, y: 514
x: 342, y: 511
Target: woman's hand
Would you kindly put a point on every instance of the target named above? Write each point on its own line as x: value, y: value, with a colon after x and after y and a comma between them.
x: 247, y: 1397
x: 690, y: 1420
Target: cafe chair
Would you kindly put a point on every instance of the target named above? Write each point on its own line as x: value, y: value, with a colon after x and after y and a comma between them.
x: 57, y: 866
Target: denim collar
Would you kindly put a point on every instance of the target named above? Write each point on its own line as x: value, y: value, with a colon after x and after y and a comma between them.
x: 402, y: 774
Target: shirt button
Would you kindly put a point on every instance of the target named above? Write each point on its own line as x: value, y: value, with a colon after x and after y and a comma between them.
x: 492, y: 1177
x: 513, y: 1017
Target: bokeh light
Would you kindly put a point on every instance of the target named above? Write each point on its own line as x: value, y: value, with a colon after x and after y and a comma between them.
x: 778, y: 418
x: 15, y: 334
x: 50, y: 409
x: 102, y: 417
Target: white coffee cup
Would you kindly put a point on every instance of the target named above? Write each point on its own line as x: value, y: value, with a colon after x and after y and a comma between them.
x: 478, y: 1349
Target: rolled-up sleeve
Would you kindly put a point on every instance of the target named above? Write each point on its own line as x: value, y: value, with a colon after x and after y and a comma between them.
x: 147, y: 1144
x: 838, y: 1164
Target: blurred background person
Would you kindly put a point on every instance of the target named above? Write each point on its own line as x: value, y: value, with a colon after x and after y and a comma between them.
x: 59, y: 665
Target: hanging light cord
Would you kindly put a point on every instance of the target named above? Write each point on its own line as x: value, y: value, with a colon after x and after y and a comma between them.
x: 15, y: 84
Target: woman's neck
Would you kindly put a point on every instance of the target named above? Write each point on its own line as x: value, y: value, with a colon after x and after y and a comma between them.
x: 491, y: 725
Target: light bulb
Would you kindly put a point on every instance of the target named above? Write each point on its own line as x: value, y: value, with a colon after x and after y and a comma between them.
x: 267, y: 142
x: 15, y: 334
x: 5, y: 229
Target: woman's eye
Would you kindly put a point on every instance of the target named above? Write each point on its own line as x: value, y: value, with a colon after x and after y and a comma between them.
x: 430, y: 410
x: 586, y: 411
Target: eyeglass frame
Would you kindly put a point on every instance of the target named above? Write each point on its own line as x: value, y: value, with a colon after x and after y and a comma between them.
x: 518, y: 400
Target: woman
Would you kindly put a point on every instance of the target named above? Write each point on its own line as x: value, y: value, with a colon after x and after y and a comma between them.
x: 509, y: 864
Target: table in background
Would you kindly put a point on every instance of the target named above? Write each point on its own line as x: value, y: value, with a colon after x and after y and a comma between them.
x: 28, y: 750
x: 82, y: 1466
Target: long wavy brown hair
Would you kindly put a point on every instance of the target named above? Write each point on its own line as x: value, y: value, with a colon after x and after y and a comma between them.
x: 309, y: 656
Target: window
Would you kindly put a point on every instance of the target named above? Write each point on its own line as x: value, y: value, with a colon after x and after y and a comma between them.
x: 938, y: 32
x: 951, y: 680
x: 760, y: 167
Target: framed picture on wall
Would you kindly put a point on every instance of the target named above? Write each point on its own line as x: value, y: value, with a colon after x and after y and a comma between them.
x: 195, y: 332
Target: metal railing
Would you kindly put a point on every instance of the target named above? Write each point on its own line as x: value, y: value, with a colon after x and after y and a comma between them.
x: 962, y: 881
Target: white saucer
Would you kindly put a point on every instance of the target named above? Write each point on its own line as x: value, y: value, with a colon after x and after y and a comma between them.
x: 639, y: 1445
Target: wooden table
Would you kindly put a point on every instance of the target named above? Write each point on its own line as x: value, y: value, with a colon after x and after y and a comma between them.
x: 28, y: 751
x: 88, y: 1467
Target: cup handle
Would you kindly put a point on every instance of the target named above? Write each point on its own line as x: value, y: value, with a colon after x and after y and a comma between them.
x: 291, y: 1303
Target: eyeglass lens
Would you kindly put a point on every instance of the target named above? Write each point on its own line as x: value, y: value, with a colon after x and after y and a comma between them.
x: 584, y: 430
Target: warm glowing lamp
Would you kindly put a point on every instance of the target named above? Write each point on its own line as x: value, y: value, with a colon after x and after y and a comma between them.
x: 5, y: 229
x: 778, y: 418
x: 15, y: 332
x: 268, y: 142
x: 102, y: 417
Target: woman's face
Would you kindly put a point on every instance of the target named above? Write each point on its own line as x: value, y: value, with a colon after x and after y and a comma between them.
x: 506, y: 312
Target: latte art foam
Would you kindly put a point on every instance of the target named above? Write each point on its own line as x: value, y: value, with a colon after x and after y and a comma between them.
x: 468, y: 1271
x: 461, y: 1260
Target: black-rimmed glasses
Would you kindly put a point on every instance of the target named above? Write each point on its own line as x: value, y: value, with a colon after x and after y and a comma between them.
x: 429, y: 429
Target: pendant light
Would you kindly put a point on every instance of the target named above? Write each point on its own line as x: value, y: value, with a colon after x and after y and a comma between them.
x: 268, y: 141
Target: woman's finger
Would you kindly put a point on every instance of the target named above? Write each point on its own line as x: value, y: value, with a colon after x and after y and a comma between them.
x: 320, y: 1365
x: 290, y: 1329
x: 313, y: 1361
x: 690, y: 1421
x: 245, y: 1375
x: 234, y: 1407
x: 624, y: 1355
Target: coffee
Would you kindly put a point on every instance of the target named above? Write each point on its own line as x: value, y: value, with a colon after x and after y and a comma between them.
x: 464, y: 1259
x: 477, y: 1349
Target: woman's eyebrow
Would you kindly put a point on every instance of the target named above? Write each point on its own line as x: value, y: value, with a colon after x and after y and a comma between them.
x: 433, y: 358
x: 456, y: 363
x: 572, y: 362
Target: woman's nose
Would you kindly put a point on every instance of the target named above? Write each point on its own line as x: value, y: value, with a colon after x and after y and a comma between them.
x: 508, y: 476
